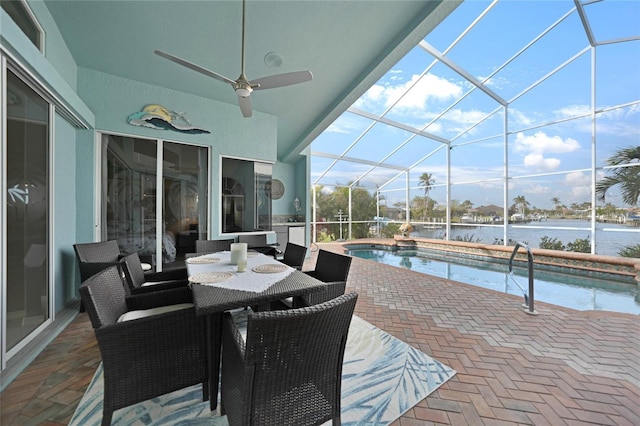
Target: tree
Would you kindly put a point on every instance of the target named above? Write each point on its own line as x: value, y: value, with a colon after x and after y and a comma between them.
x: 521, y: 203
x: 426, y: 182
x: 627, y: 178
x: 466, y: 205
x: 330, y: 203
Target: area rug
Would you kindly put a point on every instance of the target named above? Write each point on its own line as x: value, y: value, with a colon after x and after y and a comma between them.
x: 382, y: 378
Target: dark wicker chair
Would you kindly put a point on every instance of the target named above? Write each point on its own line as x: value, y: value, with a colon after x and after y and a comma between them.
x: 331, y: 268
x: 331, y: 291
x: 139, y: 282
x: 294, y: 255
x: 94, y: 257
x: 289, y: 370
x: 213, y: 246
x: 145, y: 357
x: 258, y: 243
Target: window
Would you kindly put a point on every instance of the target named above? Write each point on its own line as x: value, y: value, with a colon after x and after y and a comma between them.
x: 246, y: 195
x: 23, y: 17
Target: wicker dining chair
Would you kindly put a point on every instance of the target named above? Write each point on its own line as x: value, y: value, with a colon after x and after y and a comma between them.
x: 288, y: 369
x: 138, y: 282
x: 145, y: 354
x: 294, y: 255
x: 94, y: 257
x: 258, y: 242
x: 332, y: 269
x: 213, y: 246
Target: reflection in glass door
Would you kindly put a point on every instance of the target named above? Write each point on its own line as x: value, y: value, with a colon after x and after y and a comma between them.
x: 160, y: 225
x: 185, y: 177
x: 27, y: 206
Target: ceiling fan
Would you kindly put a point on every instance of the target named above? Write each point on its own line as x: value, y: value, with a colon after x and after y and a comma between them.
x: 242, y: 86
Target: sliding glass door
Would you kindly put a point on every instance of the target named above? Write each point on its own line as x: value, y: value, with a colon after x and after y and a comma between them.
x: 26, y: 231
x: 154, y: 196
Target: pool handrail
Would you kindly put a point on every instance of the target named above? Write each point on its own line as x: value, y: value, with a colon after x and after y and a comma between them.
x: 528, y: 298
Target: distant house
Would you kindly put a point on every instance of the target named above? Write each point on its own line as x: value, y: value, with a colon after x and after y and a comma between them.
x: 394, y: 213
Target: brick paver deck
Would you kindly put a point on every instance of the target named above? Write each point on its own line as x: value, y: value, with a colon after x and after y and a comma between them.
x: 559, y: 367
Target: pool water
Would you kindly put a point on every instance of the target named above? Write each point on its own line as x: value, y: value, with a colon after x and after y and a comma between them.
x: 576, y: 292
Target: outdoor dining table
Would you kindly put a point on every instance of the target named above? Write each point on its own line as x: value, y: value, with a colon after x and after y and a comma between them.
x: 217, y: 286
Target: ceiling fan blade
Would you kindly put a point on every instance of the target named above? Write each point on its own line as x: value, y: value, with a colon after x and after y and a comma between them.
x: 193, y: 66
x: 245, y: 106
x: 281, y: 80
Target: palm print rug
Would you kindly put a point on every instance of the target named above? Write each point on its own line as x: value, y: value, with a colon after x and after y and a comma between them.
x: 382, y: 378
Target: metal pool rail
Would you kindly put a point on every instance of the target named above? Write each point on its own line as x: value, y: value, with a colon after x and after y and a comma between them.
x: 528, y: 297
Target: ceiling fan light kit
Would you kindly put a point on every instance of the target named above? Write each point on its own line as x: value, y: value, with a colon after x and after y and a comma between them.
x: 242, y: 86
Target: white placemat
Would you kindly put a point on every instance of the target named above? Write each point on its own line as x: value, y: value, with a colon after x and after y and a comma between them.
x: 269, y: 268
x: 210, y: 277
x: 203, y: 260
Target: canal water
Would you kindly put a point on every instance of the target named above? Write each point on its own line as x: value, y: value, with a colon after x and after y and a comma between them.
x: 610, y: 237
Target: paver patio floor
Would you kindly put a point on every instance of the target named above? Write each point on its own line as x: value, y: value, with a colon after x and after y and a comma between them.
x: 559, y: 367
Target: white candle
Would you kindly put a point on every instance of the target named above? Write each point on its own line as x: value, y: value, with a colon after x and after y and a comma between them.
x: 238, y: 251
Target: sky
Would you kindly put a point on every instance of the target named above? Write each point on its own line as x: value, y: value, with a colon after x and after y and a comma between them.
x: 547, y: 88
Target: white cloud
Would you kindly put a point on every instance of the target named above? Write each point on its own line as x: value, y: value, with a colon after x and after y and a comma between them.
x: 536, y: 146
x: 577, y: 178
x: 540, y: 163
x: 541, y: 143
x: 539, y: 189
x: 518, y: 118
x: 579, y: 184
x: 424, y: 89
x: 345, y: 124
x: 573, y: 111
x: 466, y: 117
x: 336, y: 127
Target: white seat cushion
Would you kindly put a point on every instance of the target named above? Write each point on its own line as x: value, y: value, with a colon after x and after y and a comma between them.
x: 148, y: 283
x: 131, y: 315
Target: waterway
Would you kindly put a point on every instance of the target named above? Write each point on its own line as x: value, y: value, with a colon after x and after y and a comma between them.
x: 610, y: 237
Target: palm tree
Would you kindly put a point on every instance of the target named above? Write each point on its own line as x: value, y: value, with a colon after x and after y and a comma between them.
x: 521, y: 202
x: 426, y: 182
x: 467, y: 205
x: 628, y: 178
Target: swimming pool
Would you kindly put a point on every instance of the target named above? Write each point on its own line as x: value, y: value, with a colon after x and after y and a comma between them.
x: 574, y: 292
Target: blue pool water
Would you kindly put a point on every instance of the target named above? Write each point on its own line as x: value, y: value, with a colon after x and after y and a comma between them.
x: 581, y: 293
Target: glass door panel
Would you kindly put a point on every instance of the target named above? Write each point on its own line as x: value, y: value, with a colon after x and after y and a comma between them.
x: 131, y: 200
x: 26, y: 232
x: 185, y: 177
x: 129, y: 196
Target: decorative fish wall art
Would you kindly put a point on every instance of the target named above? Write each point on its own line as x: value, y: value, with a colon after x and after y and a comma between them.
x: 159, y: 117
